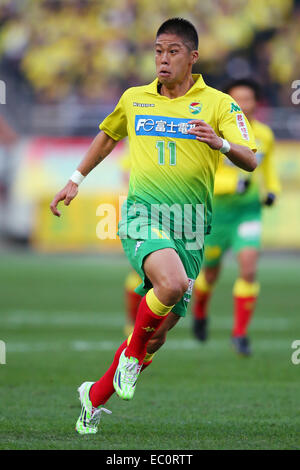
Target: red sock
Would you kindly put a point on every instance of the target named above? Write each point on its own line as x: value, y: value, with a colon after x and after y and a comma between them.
x: 132, y: 300
x: 103, y: 389
x: 200, y: 304
x: 146, y: 324
x: 243, y: 310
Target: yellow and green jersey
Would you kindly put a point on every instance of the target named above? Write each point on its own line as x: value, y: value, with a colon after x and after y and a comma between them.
x: 227, y: 175
x: 168, y: 165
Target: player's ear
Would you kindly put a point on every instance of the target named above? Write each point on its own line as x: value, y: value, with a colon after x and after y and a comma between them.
x: 195, y: 56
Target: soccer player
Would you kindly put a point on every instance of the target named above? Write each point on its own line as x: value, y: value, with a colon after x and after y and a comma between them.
x: 237, y: 211
x: 177, y: 127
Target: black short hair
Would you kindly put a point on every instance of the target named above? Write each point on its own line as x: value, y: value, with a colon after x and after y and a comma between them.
x: 247, y: 82
x: 182, y: 28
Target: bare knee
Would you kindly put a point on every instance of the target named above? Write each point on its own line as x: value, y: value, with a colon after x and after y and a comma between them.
x: 171, y: 290
x: 166, y: 272
x: 249, y: 275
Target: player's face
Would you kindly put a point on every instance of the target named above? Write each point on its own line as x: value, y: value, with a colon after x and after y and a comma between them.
x: 173, y: 59
x: 245, y: 98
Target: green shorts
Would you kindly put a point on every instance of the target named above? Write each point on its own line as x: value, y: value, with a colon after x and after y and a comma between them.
x: 136, y: 251
x: 236, y: 225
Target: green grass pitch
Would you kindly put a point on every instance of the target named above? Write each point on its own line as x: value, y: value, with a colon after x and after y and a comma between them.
x: 61, y: 318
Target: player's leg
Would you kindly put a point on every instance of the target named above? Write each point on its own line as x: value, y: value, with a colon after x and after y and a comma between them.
x: 95, y: 394
x: 102, y: 390
x: 99, y: 392
x: 246, y: 287
x: 203, y: 289
x: 245, y: 293
x: 159, y: 337
x: 166, y: 273
x: 216, y: 245
x: 132, y: 300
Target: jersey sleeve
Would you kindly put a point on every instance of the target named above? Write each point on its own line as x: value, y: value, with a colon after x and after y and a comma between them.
x: 115, y: 124
x: 268, y: 168
x: 233, y: 124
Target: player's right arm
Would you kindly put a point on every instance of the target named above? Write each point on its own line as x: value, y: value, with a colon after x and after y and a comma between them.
x: 113, y: 129
x: 101, y: 146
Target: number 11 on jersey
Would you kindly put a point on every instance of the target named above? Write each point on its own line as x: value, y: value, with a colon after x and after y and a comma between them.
x: 160, y: 145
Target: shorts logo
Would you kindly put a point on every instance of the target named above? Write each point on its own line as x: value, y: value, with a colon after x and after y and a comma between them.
x: 148, y: 328
x: 195, y: 108
x: 188, y: 293
x: 137, y: 245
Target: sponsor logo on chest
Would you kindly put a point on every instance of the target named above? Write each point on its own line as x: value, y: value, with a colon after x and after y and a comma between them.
x: 163, y: 126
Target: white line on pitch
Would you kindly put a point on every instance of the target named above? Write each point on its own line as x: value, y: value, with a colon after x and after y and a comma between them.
x: 16, y: 319
x: 172, y: 344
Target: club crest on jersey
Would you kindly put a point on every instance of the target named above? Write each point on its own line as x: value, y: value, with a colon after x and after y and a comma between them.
x: 195, y: 108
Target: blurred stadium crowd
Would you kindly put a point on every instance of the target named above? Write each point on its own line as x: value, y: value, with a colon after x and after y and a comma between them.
x: 65, y: 63
x: 89, y: 51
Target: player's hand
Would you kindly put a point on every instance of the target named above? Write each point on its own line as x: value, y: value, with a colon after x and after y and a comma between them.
x: 205, y: 133
x: 243, y: 185
x: 270, y: 199
x: 67, y: 194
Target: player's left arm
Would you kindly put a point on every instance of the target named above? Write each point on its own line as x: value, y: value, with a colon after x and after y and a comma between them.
x: 241, y: 155
x: 269, y: 172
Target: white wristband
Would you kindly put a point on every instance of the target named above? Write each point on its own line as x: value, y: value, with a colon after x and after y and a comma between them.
x: 77, y: 177
x: 225, y: 147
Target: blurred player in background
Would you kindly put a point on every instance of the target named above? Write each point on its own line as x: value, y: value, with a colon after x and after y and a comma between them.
x: 8, y: 138
x: 174, y: 158
x: 237, y: 214
x: 133, y: 280
x: 132, y: 300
